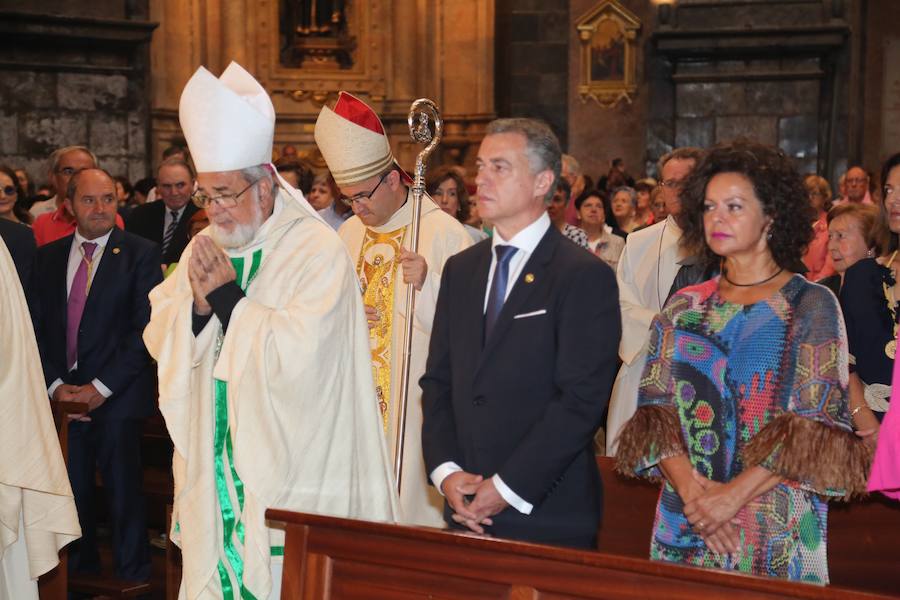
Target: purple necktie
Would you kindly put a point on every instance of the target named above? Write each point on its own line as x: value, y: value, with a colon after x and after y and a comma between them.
x: 77, y: 298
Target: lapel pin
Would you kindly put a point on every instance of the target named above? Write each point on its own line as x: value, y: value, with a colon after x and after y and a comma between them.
x: 529, y: 278
x: 116, y: 250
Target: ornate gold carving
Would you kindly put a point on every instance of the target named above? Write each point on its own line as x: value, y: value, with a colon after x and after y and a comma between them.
x: 608, y: 36
x: 318, y: 82
x: 319, y: 98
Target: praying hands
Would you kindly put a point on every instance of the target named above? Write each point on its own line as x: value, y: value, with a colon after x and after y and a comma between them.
x: 208, y: 269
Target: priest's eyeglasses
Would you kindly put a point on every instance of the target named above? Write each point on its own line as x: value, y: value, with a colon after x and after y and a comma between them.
x: 203, y: 200
x: 362, y: 195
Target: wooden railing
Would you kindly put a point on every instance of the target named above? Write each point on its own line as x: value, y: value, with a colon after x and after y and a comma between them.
x: 342, y: 559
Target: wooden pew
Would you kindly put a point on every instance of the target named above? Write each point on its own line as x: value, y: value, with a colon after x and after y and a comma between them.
x: 55, y: 584
x: 863, y: 535
x: 339, y: 558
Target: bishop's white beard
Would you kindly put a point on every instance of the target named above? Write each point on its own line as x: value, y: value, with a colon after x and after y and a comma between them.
x: 243, y: 233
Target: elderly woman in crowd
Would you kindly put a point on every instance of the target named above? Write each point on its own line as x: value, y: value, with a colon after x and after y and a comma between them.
x: 324, y: 196
x: 12, y: 198
x: 817, y: 259
x: 556, y: 210
x: 742, y: 411
x: 855, y: 232
x: 869, y: 300
x: 600, y: 239
x: 447, y: 188
x: 624, y: 207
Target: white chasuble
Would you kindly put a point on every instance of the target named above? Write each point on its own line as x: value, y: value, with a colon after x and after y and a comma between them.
x: 375, y: 251
x: 37, y: 509
x: 646, y: 271
x: 277, y: 412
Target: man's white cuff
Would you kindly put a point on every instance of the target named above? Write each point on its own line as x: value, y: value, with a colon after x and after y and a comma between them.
x: 511, y: 497
x: 441, y: 473
x: 104, y: 391
x: 53, y: 387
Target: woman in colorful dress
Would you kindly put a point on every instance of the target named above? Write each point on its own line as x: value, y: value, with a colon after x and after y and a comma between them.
x: 742, y: 410
x: 869, y: 299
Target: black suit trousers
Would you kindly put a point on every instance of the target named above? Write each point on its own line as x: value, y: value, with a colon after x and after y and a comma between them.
x: 112, y: 447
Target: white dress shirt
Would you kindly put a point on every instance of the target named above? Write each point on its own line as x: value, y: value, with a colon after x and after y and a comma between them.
x: 76, y: 253
x: 525, y: 241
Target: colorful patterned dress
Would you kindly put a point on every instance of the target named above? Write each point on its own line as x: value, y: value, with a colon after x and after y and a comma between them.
x: 736, y: 385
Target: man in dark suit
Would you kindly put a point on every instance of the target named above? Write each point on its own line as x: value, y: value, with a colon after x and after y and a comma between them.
x: 20, y: 242
x: 166, y: 221
x: 90, y: 308
x: 522, y: 358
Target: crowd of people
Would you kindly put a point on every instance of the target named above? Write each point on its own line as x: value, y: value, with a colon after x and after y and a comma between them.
x: 729, y: 325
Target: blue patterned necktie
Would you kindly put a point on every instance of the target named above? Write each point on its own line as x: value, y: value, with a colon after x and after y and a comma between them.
x: 498, y: 287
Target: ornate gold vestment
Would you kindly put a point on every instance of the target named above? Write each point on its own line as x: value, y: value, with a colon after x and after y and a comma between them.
x: 377, y: 266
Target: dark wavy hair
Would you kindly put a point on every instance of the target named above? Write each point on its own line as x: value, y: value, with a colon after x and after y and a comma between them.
x: 776, y: 183
x: 889, y: 165
x: 19, y: 205
x: 442, y: 174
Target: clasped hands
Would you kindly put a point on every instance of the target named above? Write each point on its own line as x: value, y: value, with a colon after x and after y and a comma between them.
x: 711, y: 507
x: 208, y: 269
x: 88, y: 394
x: 477, y: 512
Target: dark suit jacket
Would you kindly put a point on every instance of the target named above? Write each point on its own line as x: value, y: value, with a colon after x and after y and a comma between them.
x: 19, y: 240
x: 147, y: 221
x: 526, y: 405
x: 110, y: 346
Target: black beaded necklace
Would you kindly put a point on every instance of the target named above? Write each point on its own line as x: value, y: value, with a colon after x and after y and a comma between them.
x: 766, y: 280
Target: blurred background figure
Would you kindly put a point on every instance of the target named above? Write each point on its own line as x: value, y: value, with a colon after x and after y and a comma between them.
x: 324, y: 196
x: 27, y: 186
x: 601, y: 240
x: 12, y: 198
x: 855, y: 232
x: 643, y: 214
x: 141, y: 191
x: 869, y: 300
x: 556, y: 210
x: 296, y: 172
x: 448, y: 189
x: 124, y: 193
x: 624, y: 207
x: 658, y: 205
x: 817, y: 260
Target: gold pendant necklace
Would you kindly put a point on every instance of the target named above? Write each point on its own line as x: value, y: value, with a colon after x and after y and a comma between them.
x: 890, y: 349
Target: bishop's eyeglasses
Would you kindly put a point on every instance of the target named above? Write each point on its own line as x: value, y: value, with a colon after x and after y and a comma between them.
x: 203, y: 200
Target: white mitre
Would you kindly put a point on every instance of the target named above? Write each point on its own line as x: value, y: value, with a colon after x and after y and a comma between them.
x: 229, y: 124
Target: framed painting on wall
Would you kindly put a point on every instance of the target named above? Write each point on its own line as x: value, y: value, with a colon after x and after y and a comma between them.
x: 608, y: 36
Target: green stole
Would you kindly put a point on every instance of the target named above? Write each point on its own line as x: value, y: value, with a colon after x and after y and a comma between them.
x: 223, y: 447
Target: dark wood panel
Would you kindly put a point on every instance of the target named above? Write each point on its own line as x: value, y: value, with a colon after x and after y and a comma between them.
x: 375, y: 561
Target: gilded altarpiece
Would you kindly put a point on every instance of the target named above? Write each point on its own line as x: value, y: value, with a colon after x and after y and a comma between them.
x: 401, y: 50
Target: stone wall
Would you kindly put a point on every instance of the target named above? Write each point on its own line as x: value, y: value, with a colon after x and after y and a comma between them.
x: 66, y: 79
x: 785, y: 73
x: 532, y: 50
x: 780, y: 113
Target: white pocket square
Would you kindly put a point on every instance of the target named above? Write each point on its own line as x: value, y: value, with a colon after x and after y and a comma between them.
x: 535, y: 313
